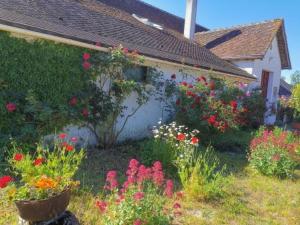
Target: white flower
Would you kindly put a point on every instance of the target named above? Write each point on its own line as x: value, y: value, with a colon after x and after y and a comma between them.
x: 156, y: 136
x: 155, y: 131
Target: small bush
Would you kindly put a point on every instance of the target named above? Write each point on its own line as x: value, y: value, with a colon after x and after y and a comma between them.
x: 203, y: 178
x: 146, y: 197
x: 198, y: 170
x: 274, y: 153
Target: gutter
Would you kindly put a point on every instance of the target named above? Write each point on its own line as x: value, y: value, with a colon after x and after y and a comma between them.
x: 148, y: 60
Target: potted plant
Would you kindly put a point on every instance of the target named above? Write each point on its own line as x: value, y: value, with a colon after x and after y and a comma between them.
x: 43, y: 180
x: 295, y: 103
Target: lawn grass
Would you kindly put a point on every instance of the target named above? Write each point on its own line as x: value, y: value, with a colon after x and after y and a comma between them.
x: 250, y: 199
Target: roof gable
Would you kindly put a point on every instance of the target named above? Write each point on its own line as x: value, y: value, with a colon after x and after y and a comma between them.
x: 91, y: 21
x: 247, y: 42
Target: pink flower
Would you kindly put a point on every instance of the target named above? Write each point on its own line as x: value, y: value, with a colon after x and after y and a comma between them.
x: 11, y: 107
x: 176, y: 206
x: 138, y: 196
x: 138, y: 222
x: 5, y: 180
x: 86, y: 56
x: 62, y: 135
x: 101, y: 205
x: 143, y: 174
x: 111, y: 180
x: 86, y: 65
x: 158, y: 175
x: 85, y: 112
x: 125, y: 50
x: 73, y: 101
x: 157, y: 166
x: 74, y: 139
x: 98, y: 44
x: 18, y: 156
x: 169, y: 188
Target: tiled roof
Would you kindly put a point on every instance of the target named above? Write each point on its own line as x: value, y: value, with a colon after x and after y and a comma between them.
x: 247, y: 42
x: 91, y: 21
x: 154, y: 14
x: 284, y: 88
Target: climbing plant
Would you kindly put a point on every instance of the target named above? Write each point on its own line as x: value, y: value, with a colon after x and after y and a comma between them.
x: 46, y: 86
x: 37, y: 78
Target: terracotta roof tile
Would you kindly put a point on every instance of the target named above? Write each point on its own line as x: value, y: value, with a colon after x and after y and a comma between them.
x: 91, y: 21
x: 246, y: 42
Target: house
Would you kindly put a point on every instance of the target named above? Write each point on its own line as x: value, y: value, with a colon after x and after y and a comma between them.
x: 285, y: 89
x: 167, y: 42
x: 260, y: 49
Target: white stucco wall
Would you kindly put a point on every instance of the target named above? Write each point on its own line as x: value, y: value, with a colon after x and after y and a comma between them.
x: 271, y: 63
x: 141, y: 124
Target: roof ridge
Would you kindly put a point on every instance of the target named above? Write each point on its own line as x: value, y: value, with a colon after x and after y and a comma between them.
x: 241, y: 25
x: 164, y: 11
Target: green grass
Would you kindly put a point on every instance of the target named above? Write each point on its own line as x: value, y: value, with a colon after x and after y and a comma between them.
x: 250, y: 199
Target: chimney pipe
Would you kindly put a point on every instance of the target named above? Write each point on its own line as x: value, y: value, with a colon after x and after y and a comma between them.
x: 190, y: 19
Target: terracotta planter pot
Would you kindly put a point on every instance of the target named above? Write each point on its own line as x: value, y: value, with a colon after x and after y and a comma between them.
x: 44, y: 210
x: 296, y: 125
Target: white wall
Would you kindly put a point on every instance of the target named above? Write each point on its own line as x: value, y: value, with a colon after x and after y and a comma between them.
x: 271, y: 63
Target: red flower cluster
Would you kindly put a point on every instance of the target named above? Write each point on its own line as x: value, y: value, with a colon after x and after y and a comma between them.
x: 5, y: 180
x: 73, y: 101
x: 138, y: 196
x: 101, y: 205
x: 169, y: 189
x: 180, y: 137
x: 18, y: 156
x: 38, y: 161
x: 268, y: 138
x: 86, y: 65
x: 111, y: 180
x: 85, y: 112
x: 11, y: 107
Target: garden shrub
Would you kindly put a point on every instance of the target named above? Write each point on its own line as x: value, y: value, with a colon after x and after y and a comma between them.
x: 146, y: 197
x: 295, y: 102
x: 204, y: 177
x: 197, y: 168
x: 275, y: 153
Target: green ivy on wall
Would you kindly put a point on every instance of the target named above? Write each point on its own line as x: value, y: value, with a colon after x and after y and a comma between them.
x: 52, y: 71
x: 39, y: 77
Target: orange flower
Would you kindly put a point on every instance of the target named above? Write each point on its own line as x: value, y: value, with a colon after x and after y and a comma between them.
x: 46, y: 183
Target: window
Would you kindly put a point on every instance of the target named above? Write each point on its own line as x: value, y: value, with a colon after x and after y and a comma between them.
x: 137, y: 73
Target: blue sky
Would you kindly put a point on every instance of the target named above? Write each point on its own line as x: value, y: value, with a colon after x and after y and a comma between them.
x: 225, y: 13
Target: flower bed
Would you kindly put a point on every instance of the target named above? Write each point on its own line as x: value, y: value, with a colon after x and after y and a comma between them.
x: 146, y: 197
x: 275, y: 152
